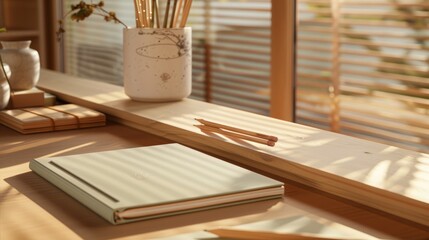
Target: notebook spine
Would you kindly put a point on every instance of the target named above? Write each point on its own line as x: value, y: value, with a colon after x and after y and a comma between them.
x: 74, y: 191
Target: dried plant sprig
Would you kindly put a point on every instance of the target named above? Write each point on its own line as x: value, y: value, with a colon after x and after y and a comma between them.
x: 83, y: 10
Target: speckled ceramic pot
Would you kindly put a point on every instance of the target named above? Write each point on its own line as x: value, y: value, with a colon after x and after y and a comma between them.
x: 24, y: 64
x: 4, y: 87
x: 157, y: 64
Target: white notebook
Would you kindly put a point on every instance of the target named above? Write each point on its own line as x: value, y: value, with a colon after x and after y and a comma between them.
x: 148, y: 182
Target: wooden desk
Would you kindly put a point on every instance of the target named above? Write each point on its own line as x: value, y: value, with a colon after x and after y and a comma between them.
x: 31, y: 208
x: 383, y: 177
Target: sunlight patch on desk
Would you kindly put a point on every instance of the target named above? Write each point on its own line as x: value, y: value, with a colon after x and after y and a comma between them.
x: 344, y: 160
x: 318, y: 142
x: 15, y: 218
x: 389, y: 149
x: 6, y: 190
x: 357, y: 174
x: 336, y: 165
x: 105, y: 97
x: 21, y: 167
x: 69, y: 149
x: 398, y: 176
x: 420, y: 180
x: 420, y: 165
x: 34, y: 144
x: 12, y: 143
x: 424, y: 159
x: 377, y: 175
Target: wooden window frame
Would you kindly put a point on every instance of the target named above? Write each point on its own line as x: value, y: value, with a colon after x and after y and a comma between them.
x: 283, y: 41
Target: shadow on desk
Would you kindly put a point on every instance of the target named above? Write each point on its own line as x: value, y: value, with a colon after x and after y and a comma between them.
x: 89, y: 225
x: 16, y: 148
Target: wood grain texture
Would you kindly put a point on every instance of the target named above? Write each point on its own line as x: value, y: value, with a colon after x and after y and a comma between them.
x: 376, y: 175
x: 27, y: 98
x: 53, y: 118
x: 283, y: 41
x: 48, y: 213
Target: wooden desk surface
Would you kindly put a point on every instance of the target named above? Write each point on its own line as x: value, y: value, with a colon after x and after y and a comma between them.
x: 376, y: 175
x: 31, y: 208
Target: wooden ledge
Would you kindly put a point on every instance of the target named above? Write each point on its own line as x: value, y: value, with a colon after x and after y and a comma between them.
x: 383, y: 177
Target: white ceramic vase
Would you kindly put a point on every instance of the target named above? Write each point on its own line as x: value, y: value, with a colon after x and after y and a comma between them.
x: 157, y: 64
x: 4, y: 87
x: 24, y: 64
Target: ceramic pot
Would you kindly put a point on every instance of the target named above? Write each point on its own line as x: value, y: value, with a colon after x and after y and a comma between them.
x: 4, y: 87
x: 24, y: 64
x: 157, y: 64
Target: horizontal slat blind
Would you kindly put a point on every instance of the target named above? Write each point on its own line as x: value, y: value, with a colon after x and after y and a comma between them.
x: 231, y: 56
x: 93, y: 47
x: 363, y: 69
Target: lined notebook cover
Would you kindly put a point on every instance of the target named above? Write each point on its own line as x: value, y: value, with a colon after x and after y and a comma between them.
x: 53, y: 118
x: 114, y: 182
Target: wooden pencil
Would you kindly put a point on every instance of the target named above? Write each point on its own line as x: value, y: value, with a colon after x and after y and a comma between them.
x: 137, y: 8
x: 235, y: 135
x: 185, y: 14
x: 176, y: 16
x: 150, y: 12
x: 144, y: 13
x: 173, y: 13
x: 238, y: 130
x: 158, y: 22
x: 167, y: 10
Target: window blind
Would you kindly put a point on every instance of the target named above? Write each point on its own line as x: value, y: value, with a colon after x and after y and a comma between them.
x: 363, y: 69
x: 93, y: 47
x: 232, y: 53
